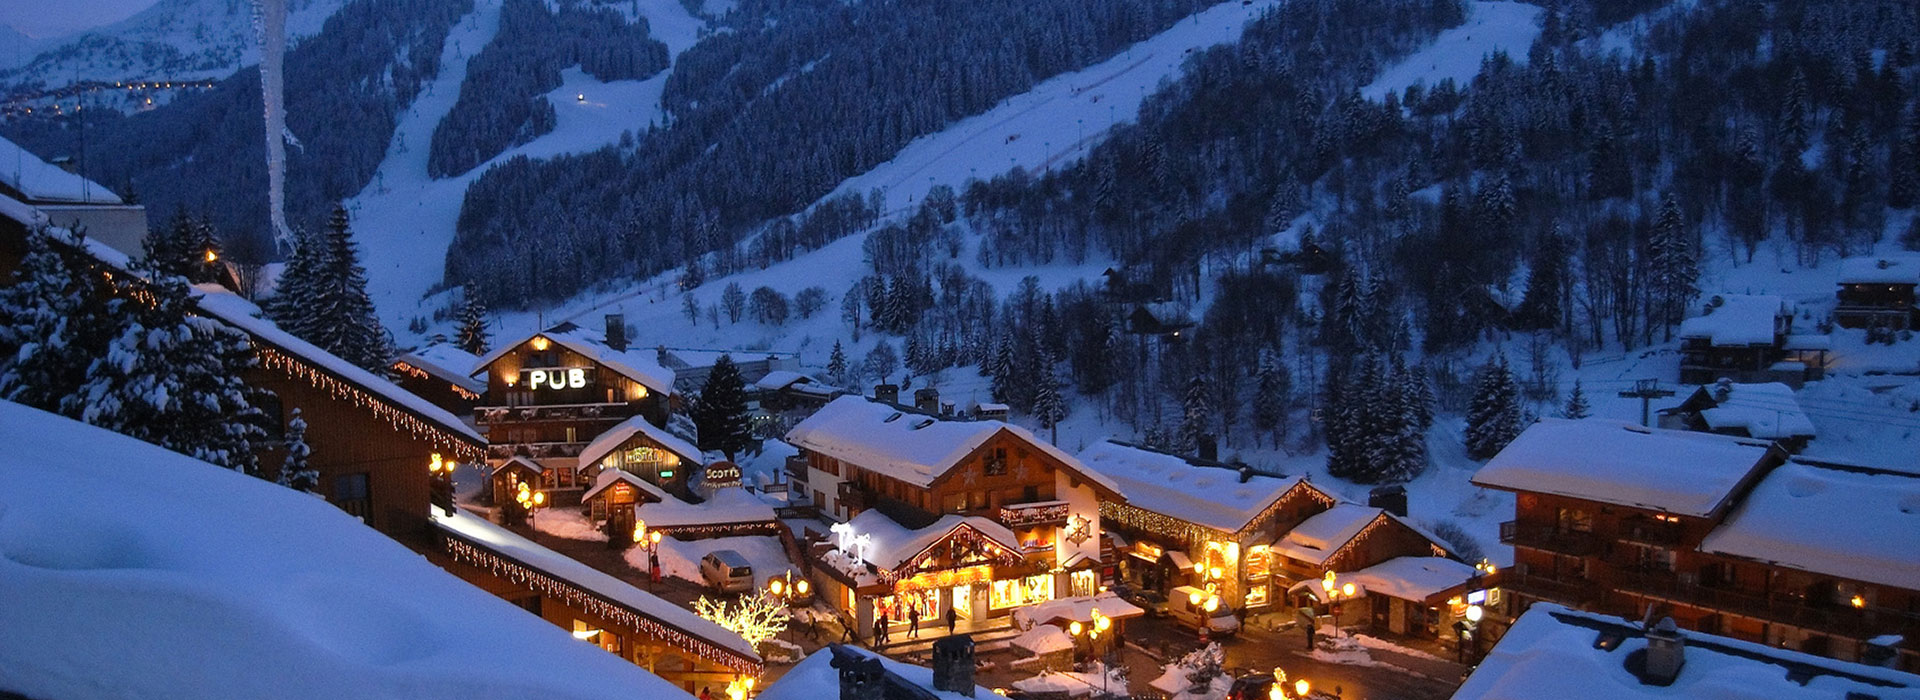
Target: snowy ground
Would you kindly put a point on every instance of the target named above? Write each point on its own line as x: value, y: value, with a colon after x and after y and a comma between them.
x: 1456, y: 53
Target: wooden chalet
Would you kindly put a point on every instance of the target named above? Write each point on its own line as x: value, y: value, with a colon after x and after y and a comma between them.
x: 1748, y: 338
x: 438, y: 373
x: 650, y: 452
x: 1877, y: 292
x: 1200, y: 523
x: 975, y: 516
x: 1765, y: 411
x: 549, y: 395
x: 371, y: 440
x: 1724, y: 534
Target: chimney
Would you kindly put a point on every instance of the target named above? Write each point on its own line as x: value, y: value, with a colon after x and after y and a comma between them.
x: 1392, y: 499
x: 889, y: 393
x: 927, y: 399
x: 1880, y: 651
x: 861, y: 676
x: 1209, y: 448
x: 1666, y: 653
x: 953, y: 664
x: 617, y: 332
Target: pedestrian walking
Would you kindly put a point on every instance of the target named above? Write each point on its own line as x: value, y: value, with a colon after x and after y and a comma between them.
x: 953, y: 618
x: 886, y: 627
x: 913, y: 622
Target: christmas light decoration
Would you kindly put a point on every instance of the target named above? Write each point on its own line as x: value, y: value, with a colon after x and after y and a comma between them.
x: 511, y: 570
x: 756, y: 618
x: 462, y: 448
x: 1186, y: 532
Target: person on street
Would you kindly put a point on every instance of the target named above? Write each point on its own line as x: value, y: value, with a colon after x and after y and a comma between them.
x: 913, y: 622
x: 953, y: 618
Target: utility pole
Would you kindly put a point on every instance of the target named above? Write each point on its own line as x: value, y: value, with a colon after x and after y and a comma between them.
x: 1646, y: 390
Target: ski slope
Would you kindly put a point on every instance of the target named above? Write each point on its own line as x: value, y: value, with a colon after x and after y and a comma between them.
x: 1056, y: 122
x: 1491, y: 26
x: 404, y: 219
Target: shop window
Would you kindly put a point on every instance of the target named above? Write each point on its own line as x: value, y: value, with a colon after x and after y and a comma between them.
x: 1256, y: 594
x: 1013, y: 593
x: 1083, y: 582
x: 1259, y: 561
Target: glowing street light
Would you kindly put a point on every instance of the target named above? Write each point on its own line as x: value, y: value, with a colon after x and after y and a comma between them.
x: 1302, y: 687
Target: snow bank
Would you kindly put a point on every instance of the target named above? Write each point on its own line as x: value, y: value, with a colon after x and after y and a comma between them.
x: 151, y: 574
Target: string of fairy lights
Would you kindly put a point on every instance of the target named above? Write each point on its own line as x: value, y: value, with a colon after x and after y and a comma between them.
x: 273, y: 358
x: 1187, y: 532
x: 520, y: 574
x: 403, y: 367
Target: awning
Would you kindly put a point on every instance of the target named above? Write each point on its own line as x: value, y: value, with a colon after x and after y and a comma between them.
x: 1179, y: 559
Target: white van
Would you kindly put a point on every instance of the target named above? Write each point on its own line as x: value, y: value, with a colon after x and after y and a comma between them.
x: 1220, y: 622
x: 725, y: 571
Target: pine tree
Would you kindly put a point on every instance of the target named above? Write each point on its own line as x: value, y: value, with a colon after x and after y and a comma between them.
x: 293, y: 304
x: 296, y: 473
x: 1048, y: 405
x: 1903, y: 184
x: 720, y: 412
x: 1196, y: 422
x: 837, y: 365
x: 168, y: 249
x: 1272, y: 384
x: 1493, y: 416
x: 342, y: 317
x: 1576, y: 407
x: 1001, y: 368
x: 473, y: 336
x: 1423, y: 398
x: 54, y: 319
x: 1675, y: 266
x: 174, y: 380
x: 204, y: 250
x: 1547, y: 281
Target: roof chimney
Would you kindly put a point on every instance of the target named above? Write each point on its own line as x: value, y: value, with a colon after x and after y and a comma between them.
x: 1392, y: 499
x: 927, y: 399
x: 889, y: 393
x: 1208, y: 447
x: 1666, y: 653
x: 953, y: 664
x: 617, y: 332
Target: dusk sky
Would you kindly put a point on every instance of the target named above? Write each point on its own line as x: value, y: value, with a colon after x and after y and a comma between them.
x: 43, y: 18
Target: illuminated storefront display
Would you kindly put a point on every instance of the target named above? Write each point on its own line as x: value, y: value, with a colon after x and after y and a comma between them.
x: 1013, y: 593
x: 1259, y: 561
x: 1083, y: 582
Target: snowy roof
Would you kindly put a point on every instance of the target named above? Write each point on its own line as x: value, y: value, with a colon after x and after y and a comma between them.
x: 1762, y: 410
x: 502, y: 541
x: 1080, y: 608
x: 157, y: 574
x: 1044, y: 639
x: 780, y: 379
x: 815, y: 678
x: 40, y: 181
x: 446, y: 362
x: 1551, y: 652
x: 1412, y: 578
x: 1674, y: 471
x: 33, y: 217
x: 1891, y: 269
x: 638, y: 364
x: 1858, y: 524
x: 727, y: 506
x: 1316, y: 539
x: 618, y: 435
x: 1196, y: 492
x: 1737, y: 319
x: 892, y: 544
x: 609, y: 477
x: 233, y: 310
x: 914, y: 447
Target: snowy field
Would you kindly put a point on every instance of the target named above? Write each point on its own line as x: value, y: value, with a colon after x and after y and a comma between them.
x: 1455, y: 54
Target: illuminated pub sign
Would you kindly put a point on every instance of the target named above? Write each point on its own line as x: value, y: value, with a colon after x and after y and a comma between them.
x: 546, y: 378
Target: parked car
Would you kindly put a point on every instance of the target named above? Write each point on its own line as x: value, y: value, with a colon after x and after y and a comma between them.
x: 726, y: 571
x: 1153, y: 602
x: 1183, y: 608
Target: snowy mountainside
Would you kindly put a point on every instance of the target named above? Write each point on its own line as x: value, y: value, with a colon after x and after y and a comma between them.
x: 172, y: 40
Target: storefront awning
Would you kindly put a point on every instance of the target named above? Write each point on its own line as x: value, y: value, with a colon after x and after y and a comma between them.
x: 1179, y: 559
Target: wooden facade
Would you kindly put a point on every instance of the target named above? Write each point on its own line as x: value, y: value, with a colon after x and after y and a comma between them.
x: 1619, y: 560
x: 545, y: 401
x: 1163, y: 550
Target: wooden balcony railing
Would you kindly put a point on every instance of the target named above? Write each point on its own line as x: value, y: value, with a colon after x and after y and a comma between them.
x: 1577, y: 593
x: 1779, y: 607
x: 491, y: 415
x: 1037, y: 513
x: 1653, y: 532
x: 536, y: 450
x: 1548, y: 537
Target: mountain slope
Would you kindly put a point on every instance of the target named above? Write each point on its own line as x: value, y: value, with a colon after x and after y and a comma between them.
x: 172, y: 40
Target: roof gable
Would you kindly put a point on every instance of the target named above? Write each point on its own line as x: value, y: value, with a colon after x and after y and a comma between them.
x: 632, y: 363
x: 619, y: 435
x: 911, y: 446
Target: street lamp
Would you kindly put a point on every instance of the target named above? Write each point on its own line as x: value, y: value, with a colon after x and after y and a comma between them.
x: 1301, y: 688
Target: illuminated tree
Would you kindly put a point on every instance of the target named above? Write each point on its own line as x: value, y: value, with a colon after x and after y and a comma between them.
x: 756, y: 618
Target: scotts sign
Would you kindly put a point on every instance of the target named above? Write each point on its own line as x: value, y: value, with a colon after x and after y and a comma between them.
x: 723, y: 475
x: 556, y: 378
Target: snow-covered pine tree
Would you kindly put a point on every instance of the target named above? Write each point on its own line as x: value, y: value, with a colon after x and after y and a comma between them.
x: 1410, y: 435
x: 1272, y: 386
x: 837, y: 365
x: 1001, y: 367
x: 720, y: 412
x: 54, y: 319
x: 204, y: 251
x: 296, y: 472
x: 1493, y: 416
x: 342, y: 315
x: 294, y: 291
x: 473, y: 336
x: 174, y: 379
x: 1423, y: 399
x: 1048, y: 405
x: 1196, y: 419
x: 1675, y: 264
x: 1576, y: 407
x: 168, y: 248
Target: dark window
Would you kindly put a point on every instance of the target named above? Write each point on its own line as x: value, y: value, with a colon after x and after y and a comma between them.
x: 1030, y: 494
x: 997, y: 462
x: 352, y: 493
x: 276, y: 416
